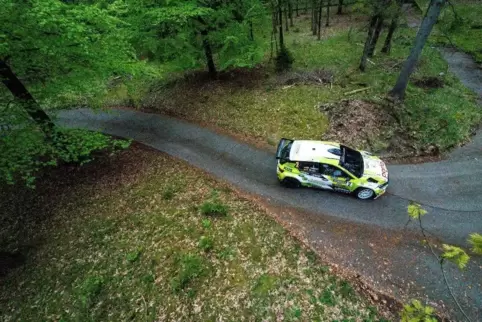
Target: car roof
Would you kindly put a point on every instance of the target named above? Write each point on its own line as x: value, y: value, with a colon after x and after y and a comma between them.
x: 314, y: 151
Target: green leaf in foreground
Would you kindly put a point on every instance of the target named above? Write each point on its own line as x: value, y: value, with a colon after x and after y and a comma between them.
x: 456, y: 255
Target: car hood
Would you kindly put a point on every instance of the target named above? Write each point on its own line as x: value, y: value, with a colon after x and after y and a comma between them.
x: 375, y: 168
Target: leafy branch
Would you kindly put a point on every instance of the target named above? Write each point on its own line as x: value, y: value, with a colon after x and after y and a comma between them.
x: 451, y: 253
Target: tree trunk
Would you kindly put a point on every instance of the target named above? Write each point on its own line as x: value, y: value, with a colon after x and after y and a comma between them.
x: 297, y: 8
x: 319, y: 19
x: 424, y: 31
x: 314, y: 16
x: 209, y: 55
x: 376, y: 35
x: 280, y: 18
x: 251, y: 33
x: 340, y: 7
x: 20, y: 92
x: 306, y: 6
x: 371, y: 31
x: 387, y: 46
x: 290, y: 12
x: 328, y: 14
x: 286, y: 18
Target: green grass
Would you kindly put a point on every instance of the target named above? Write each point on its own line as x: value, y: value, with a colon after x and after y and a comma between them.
x: 260, y: 107
x: 110, y: 246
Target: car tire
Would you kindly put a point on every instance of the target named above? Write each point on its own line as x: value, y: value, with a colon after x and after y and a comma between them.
x: 365, y: 193
x: 291, y: 183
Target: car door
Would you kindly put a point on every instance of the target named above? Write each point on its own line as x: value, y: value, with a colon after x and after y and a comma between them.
x: 340, y: 180
x: 311, y: 173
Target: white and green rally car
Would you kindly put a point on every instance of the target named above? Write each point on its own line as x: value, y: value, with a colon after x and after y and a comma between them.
x: 332, y: 166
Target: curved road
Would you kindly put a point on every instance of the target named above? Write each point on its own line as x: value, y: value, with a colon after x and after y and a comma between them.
x: 450, y: 189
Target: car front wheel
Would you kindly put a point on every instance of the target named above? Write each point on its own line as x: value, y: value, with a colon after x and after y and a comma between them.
x: 291, y: 183
x: 365, y: 193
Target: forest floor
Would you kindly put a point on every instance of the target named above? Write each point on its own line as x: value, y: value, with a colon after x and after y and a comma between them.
x: 128, y: 238
x: 316, y: 99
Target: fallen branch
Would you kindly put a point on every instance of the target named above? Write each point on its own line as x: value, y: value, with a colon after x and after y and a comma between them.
x: 371, y: 62
x: 357, y: 91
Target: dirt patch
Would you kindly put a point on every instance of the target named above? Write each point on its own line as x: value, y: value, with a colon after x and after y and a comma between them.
x: 357, y: 123
x: 429, y: 82
x: 314, y: 77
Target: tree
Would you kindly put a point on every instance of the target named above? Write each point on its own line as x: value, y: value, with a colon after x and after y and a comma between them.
x: 433, y: 12
x: 50, y: 49
x: 328, y: 14
x: 319, y: 19
x: 416, y: 311
x: 368, y: 42
x: 340, y: 7
x: 393, y: 26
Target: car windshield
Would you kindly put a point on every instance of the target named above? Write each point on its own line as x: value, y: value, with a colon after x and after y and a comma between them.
x: 285, y: 152
x: 352, y: 160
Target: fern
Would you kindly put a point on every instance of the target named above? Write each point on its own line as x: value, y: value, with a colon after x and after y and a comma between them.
x: 415, y: 211
x: 456, y: 255
x: 476, y: 241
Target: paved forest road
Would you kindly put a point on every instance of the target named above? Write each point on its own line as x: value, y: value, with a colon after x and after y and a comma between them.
x: 450, y: 190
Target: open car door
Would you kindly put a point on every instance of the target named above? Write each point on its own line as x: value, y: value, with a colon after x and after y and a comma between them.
x: 283, y: 150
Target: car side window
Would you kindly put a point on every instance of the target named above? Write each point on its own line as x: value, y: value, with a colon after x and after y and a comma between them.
x: 311, y: 167
x: 330, y: 170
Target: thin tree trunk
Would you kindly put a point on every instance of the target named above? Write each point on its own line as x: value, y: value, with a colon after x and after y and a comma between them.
x: 314, y: 16
x: 371, y: 31
x: 387, y: 46
x: 340, y: 7
x: 209, y: 55
x: 319, y: 19
x: 424, y: 31
x: 280, y: 18
x: 251, y: 33
x: 297, y: 8
x: 306, y: 6
x: 328, y: 14
x: 376, y: 35
x: 286, y: 18
x: 20, y: 92
x: 290, y: 12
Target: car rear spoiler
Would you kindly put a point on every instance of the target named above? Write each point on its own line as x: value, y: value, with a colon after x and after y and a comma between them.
x: 282, y: 143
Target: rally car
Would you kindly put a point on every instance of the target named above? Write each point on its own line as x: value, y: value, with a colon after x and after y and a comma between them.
x: 331, y: 166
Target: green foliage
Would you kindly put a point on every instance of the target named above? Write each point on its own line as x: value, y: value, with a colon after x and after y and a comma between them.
x: 475, y: 240
x: 61, y: 49
x: 26, y: 151
x: 133, y: 256
x: 189, y: 267
x: 415, y: 211
x: 327, y: 297
x: 206, y: 223
x: 264, y: 284
x: 206, y: 243
x: 169, y: 192
x: 90, y: 289
x: 456, y: 255
x: 416, y: 312
x: 284, y: 60
x: 346, y: 289
x: 214, y: 208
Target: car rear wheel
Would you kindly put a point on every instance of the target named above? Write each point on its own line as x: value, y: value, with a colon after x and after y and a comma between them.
x: 365, y: 193
x: 291, y: 183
